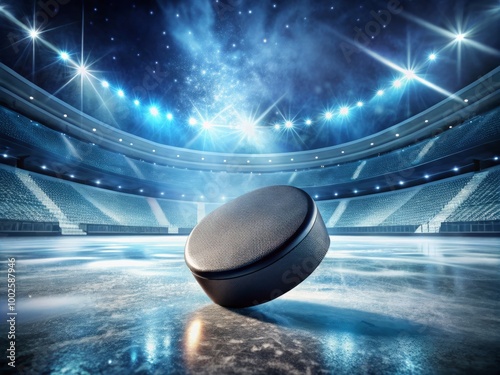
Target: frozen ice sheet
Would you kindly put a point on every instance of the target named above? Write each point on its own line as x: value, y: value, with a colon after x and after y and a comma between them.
x: 375, y: 305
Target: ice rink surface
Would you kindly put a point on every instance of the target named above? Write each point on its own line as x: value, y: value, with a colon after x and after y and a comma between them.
x: 106, y: 305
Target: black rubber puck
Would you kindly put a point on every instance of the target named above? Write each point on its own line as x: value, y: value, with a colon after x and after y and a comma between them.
x: 258, y: 246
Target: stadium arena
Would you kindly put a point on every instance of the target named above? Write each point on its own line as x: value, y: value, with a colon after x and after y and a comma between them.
x: 95, y: 211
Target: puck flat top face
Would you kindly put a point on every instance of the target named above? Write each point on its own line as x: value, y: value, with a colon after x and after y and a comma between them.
x: 248, y: 229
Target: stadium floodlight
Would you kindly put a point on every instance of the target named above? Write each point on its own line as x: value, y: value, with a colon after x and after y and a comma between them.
x: 105, y: 84
x: 82, y: 70
x: 359, y: 104
x: 64, y: 56
x: 136, y: 102
x: 409, y: 74
x: 207, y: 125
x: 459, y: 37
x: 192, y: 121
x: 397, y: 83
x: 34, y: 33
x: 154, y: 111
x: 432, y: 56
x: 380, y: 92
x: 169, y: 116
x: 308, y: 122
x: 344, y: 111
x: 328, y: 115
x: 288, y: 124
x: 121, y: 93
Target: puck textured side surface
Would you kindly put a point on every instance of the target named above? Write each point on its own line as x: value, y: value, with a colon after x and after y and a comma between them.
x: 258, y: 246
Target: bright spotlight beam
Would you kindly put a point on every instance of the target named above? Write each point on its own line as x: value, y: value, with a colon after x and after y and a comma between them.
x: 390, y: 64
x: 460, y: 37
x: 344, y: 111
x: 34, y: 33
x: 82, y: 70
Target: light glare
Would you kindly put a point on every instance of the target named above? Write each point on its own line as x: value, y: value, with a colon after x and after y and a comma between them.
x: 409, y: 74
x: 154, y: 111
x: 82, y: 70
x: 34, y: 33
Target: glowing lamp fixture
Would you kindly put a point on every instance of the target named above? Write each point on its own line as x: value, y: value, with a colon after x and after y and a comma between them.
x: 409, y: 74
x: 154, y: 111
x: 82, y: 70
x: 344, y: 111
x: 34, y: 33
